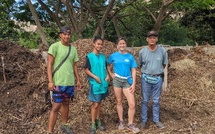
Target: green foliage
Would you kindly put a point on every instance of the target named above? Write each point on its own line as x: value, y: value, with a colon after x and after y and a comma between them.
x: 173, y: 34
x: 135, y: 25
x: 7, y: 28
x: 134, y: 22
x: 110, y: 32
x: 201, y: 25
x: 192, y: 4
x: 29, y: 39
x: 51, y: 33
x: 89, y: 29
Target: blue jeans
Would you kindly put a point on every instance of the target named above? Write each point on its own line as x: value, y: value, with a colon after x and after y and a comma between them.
x: 148, y: 90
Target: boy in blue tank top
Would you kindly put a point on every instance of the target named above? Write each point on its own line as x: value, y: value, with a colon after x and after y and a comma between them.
x: 95, y: 68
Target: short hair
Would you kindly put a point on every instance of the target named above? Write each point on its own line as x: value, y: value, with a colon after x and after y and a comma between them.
x: 65, y: 29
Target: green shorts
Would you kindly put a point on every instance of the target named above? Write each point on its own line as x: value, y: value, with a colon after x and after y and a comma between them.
x: 96, y: 97
x: 120, y: 83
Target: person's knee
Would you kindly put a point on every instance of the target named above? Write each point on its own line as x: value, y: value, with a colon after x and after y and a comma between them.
x: 65, y: 102
x: 118, y: 102
x: 132, y: 105
x: 95, y: 105
x: 156, y: 102
x: 55, y: 108
x: 145, y: 101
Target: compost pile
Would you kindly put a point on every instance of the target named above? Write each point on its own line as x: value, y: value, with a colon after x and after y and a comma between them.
x: 187, y: 105
x: 22, y: 90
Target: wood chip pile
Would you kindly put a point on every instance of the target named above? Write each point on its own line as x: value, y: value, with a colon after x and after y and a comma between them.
x: 21, y: 95
x: 187, y: 107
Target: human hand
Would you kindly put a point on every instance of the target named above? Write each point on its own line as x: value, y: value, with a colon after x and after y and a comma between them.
x: 112, y: 75
x: 107, y: 78
x: 51, y: 86
x: 132, y: 88
x: 78, y: 85
x: 98, y: 80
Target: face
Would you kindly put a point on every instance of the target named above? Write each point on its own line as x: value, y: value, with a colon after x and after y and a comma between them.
x: 121, y: 45
x: 98, y: 45
x: 152, y: 40
x: 65, y: 37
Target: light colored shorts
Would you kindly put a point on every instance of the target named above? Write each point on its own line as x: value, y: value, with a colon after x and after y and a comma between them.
x: 120, y: 83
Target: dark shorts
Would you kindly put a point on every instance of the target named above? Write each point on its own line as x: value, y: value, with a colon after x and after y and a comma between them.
x: 96, y: 97
x: 120, y: 83
x: 62, y: 92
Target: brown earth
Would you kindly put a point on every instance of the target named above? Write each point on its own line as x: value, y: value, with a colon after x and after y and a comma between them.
x: 187, y: 106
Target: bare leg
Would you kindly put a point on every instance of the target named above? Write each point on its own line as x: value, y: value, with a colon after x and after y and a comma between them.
x: 53, y: 116
x: 98, y: 111
x: 131, y: 103
x: 94, y: 111
x: 65, y: 110
x: 118, y: 94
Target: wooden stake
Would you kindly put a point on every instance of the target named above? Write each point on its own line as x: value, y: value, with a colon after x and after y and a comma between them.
x: 165, y: 84
x: 4, y: 76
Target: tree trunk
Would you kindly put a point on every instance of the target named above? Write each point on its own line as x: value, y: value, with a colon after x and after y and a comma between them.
x: 53, y: 15
x: 40, y: 29
x: 102, y: 21
x: 115, y: 23
x: 162, y: 14
x: 160, y: 18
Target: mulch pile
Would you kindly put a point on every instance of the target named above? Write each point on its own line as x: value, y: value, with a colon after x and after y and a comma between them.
x: 187, y: 106
x: 22, y: 94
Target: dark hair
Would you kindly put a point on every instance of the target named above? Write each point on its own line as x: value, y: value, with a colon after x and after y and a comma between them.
x: 97, y: 38
x: 65, y: 29
x: 121, y: 38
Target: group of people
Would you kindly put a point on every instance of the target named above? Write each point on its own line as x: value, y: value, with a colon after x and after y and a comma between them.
x: 62, y: 73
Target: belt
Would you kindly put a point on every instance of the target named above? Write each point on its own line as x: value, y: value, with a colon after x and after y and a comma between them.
x: 153, y: 75
x: 122, y: 77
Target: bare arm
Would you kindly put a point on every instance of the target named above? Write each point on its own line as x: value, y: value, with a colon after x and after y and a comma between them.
x: 107, y: 77
x: 75, y: 68
x: 134, y: 73
x: 112, y: 75
x: 49, y: 72
x: 87, y: 71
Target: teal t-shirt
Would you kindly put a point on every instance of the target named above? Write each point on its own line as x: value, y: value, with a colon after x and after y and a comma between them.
x: 65, y: 74
x: 152, y: 62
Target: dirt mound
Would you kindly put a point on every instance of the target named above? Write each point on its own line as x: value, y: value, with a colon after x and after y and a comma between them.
x: 187, y: 106
x: 176, y: 54
x: 21, y: 94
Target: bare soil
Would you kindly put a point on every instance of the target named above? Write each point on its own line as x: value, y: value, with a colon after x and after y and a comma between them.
x: 187, y: 106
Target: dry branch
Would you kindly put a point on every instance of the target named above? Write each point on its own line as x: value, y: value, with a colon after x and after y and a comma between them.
x: 4, y: 75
